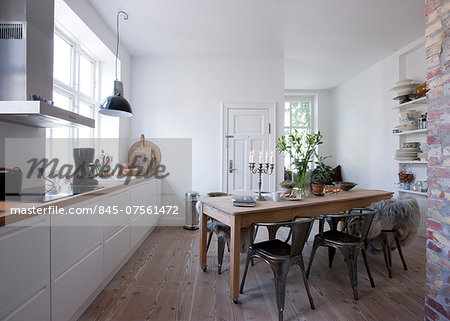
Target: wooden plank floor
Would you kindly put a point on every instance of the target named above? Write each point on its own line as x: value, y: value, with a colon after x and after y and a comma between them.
x: 162, y: 281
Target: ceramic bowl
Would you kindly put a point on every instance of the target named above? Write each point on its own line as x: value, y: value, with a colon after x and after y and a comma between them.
x: 346, y: 186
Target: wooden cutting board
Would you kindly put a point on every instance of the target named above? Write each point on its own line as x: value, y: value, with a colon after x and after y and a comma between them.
x: 146, y: 149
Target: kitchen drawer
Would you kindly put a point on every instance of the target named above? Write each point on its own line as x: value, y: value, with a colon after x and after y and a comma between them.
x: 25, y: 260
x: 140, y: 226
x: 113, y: 222
x: 74, y: 236
x: 144, y: 195
x: 116, y: 248
x: 35, y: 307
x: 74, y: 286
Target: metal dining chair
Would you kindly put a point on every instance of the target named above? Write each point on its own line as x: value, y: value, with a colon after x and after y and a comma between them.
x: 387, y: 238
x: 397, y: 218
x: 281, y: 256
x: 222, y: 232
x: 350, y: 244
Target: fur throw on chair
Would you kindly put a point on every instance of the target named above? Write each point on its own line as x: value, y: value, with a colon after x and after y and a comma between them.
x: 401, y: 214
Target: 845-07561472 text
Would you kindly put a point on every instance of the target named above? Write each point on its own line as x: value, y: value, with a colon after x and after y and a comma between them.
x: 138, y: 209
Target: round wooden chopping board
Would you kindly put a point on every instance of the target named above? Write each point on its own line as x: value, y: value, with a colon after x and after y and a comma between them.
x: 147, y: 149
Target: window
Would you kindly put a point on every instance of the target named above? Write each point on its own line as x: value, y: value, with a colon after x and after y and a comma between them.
x: 75, y: 74
x: 297, y: 116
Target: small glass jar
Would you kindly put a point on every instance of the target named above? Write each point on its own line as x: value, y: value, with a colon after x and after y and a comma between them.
x: 424, y: 187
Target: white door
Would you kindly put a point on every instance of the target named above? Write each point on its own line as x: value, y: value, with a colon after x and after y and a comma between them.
x: 247, y: 127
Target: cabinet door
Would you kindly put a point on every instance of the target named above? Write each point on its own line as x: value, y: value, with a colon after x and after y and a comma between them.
x: 113, y: 207
x: 116, y: 248
x: 24, y: 261
x: 36, y: 307
x: 74, y: 235
x: 144, y: 196
x: 73, y: 287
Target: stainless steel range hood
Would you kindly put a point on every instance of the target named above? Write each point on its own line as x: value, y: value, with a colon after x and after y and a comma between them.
x: 41, y: 114
x: 26, y: 66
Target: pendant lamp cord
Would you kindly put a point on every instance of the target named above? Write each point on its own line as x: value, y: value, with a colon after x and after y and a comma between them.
x: 125, y: 17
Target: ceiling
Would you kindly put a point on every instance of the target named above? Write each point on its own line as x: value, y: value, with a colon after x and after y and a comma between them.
x: 323, y: 42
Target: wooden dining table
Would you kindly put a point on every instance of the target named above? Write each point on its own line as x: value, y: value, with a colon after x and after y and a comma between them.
x: 222, y: 209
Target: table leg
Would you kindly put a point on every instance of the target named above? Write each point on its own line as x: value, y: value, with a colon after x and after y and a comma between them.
x: 203, y: 240
x: 235, y: 257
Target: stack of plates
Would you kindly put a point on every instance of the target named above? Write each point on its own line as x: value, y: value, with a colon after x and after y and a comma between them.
x: 405, y: 126
x: 407, y: 153
x: 404, y: 87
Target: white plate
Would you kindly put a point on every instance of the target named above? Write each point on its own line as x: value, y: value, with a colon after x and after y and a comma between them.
x: 298, y: 198
x: 407, y: 153
x: 409, y: 149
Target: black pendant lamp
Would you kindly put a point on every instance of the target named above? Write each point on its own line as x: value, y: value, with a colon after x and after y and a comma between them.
x: 116, y: 105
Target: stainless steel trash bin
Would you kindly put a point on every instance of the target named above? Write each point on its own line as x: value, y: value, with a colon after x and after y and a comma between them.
x: 191, y: 215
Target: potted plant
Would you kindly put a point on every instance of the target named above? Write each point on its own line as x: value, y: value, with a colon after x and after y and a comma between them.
x: 300, y: 147
x: 320, y: 176
x: 287, y: 186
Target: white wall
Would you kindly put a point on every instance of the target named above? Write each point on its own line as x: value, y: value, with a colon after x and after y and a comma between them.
x: 181, y: 98
x: 362, y: 121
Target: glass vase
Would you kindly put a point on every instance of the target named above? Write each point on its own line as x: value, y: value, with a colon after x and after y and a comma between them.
x: 302, y: 188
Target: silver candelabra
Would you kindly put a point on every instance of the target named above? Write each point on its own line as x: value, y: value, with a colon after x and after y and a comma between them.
x: 261, y: 169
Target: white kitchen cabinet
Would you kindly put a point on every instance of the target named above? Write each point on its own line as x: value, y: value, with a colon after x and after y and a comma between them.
x: 116, y: 249
x: 56, y: 265
x: 146, y: 196
x: 25, y: 270
x: 71, y: 289
x: 114, y: 206
x: 34, y: 307
x: 74, y: 236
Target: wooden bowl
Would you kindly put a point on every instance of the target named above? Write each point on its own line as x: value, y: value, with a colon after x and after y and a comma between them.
x: 346, y: 186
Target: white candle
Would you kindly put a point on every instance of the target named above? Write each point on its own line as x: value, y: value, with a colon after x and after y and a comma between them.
x: 267, y: 157
x: 271, y: 157
x: 250, y: 157
x: 260, y: 157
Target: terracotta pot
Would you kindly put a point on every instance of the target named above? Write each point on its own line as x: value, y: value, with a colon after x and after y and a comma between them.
x: 286, y: 190
x: 318, y: 189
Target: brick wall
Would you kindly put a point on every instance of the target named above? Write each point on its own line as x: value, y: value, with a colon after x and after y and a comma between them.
x: 437, y: 44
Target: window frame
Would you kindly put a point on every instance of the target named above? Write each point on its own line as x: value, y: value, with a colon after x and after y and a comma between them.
x: 73, y: 89
x: 290, y: 98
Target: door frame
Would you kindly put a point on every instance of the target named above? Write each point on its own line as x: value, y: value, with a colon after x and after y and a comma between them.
x: 272, y: 108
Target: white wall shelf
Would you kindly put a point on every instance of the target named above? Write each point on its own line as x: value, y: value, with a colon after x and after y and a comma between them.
x: 410, y: 132
x: 418, y: 162
x: 412, y: 66
x: 412, y: 192
x: 422, y: 100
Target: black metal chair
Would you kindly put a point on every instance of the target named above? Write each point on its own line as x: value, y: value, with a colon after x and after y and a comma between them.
x: 387, y: 237
x: 221, y: 241
x: 357, y: 220
x: 397, y: 218
x: 281, y: 256
x: 223, y: 235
